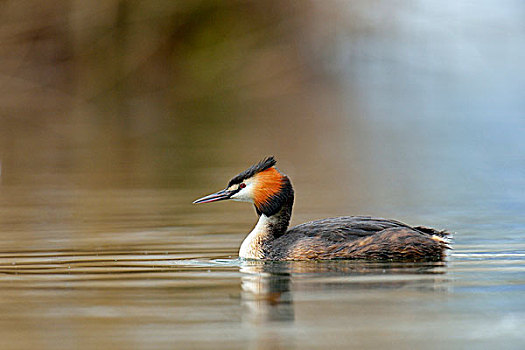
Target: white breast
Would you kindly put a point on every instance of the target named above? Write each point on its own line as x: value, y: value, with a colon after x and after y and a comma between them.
x: 251, y: 247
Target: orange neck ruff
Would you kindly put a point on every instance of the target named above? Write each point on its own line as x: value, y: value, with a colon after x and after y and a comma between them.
x: 269, y: 183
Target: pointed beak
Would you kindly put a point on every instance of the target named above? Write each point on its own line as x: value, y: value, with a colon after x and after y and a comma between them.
x: 214, y: 197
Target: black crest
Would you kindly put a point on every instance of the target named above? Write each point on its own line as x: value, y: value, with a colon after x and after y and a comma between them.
x: 264, y: 164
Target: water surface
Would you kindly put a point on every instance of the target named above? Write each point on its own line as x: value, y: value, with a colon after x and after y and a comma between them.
x: 115, y: 117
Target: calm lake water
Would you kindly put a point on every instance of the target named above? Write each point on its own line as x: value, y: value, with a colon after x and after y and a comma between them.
x: 369, y: 111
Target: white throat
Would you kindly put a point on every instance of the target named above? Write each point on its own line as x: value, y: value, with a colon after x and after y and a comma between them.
x: 251, y: 247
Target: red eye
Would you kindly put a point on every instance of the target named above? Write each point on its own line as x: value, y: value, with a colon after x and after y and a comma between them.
x: 242, y: 185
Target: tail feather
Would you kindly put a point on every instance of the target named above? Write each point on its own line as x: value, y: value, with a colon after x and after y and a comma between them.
x: 431, y: 231
x: 444, y: 237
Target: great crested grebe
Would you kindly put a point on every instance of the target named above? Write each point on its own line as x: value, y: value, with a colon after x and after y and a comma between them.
x: 346, y: 237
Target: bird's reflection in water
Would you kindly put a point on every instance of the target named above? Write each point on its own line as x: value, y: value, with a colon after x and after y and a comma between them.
x: 266, y: 293
x: 268, y: 287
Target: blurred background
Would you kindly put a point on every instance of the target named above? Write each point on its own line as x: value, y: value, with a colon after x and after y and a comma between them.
x: 115, y: 115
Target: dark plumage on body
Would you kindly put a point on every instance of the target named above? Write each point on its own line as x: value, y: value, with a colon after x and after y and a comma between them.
x: 357, y: 237
x: 347, y: 237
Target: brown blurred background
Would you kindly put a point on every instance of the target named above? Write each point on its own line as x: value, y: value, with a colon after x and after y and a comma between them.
x: 114, y: 115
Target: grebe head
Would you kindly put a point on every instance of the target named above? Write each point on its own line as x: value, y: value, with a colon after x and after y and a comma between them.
x: 261, y: 184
